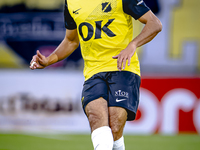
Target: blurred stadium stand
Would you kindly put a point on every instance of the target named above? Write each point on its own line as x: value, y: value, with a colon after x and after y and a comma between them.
x: 28, y: 25
x: 9, y: 6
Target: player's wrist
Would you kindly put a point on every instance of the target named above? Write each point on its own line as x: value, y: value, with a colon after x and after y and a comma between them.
x: 51, y: 59
x: 132, y: 47
x: 134, y: 44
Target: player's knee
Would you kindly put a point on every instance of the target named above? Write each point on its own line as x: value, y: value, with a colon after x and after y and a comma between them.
x: 97, y: 120
x: 94, y: 117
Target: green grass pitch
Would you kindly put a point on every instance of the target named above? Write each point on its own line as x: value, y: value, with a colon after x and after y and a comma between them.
x: 83, y: 142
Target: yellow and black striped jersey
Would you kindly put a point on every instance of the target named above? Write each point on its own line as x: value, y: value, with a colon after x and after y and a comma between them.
x: 105, y: 28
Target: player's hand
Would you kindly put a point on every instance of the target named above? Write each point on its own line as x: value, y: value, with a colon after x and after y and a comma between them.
x: 124, y: 56
x: 38, y: 61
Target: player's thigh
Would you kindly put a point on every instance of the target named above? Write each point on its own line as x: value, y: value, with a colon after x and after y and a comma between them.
x: 124, y: 92
x: 93, y: 89
x: 97, y: 113
x: 117, y: 120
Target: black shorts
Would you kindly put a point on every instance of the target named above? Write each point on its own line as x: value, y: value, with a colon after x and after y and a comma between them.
x: 119, y: 88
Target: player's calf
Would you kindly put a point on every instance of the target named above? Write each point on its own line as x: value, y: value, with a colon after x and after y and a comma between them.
x: 117, y: 120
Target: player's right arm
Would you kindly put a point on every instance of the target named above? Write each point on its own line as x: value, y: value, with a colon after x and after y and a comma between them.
x: 66, y: 47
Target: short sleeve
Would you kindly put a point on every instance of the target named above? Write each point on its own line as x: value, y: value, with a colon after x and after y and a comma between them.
x: 69, y: 21
x: 135, y: 8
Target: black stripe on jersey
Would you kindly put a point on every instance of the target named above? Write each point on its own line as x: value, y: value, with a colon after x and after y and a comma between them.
x: 135, y: 8
x: 69, y: 21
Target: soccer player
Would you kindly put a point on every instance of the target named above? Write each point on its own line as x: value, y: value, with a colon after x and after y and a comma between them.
x: 110, y: 93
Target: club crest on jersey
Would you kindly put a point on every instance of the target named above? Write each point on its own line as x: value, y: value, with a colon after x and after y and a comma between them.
x: 106, y: 7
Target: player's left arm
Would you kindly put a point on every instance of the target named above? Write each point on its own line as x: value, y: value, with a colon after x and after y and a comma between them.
x: 152, y: 27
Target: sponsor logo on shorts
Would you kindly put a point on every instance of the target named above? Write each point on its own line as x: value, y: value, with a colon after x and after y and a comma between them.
x: 119, y: 100
x: 121, y: 93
